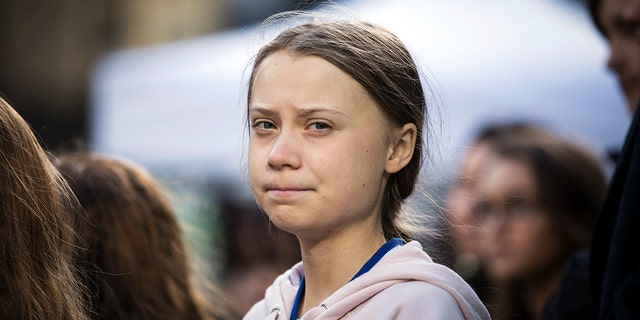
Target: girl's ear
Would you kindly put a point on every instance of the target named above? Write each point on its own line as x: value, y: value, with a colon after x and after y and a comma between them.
x: 401, y: 148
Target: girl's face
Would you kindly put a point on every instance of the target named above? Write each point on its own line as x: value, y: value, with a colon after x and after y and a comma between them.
x: 318, y: 148
x: 523, y: 240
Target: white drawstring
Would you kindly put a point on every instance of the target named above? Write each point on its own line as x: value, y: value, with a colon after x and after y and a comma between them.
x: 275, y: 312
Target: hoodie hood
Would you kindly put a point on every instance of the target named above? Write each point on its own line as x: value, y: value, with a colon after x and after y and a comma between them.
x: 407, y: 264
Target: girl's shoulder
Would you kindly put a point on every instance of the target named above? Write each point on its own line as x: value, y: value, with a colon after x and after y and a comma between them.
x: 412, y: 300
x: 416, y: 291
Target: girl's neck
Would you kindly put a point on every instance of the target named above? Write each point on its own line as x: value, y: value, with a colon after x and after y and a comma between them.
x: 330, y: 264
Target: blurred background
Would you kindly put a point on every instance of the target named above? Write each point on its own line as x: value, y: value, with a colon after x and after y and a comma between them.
x: 50, y: 48
x: 161, y: 82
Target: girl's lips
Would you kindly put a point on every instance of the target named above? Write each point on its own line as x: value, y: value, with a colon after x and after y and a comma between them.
x: 285, y: 192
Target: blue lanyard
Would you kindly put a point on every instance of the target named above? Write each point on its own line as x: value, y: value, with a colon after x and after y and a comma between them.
x: 365, y: 268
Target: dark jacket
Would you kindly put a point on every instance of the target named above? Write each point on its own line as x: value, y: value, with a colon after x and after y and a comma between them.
x: 615, y: 250
x: 572, y: 299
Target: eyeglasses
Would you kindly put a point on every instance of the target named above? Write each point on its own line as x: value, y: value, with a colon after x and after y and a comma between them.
x: 512, y: 208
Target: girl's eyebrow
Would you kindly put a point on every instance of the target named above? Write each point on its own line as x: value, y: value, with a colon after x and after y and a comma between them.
x: 261, y: 110
x: 302, y: 111
x: 312, y: 110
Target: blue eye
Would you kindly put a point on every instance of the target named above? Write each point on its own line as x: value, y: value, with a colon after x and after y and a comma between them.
x: 320, y: 126
x: 263, y: 125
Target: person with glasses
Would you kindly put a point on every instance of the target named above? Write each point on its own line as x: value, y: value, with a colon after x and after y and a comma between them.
x: 537, y: 201
x: 467, y: 237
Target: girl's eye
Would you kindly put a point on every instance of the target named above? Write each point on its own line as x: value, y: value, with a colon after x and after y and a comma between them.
x: 263, y: 125
x: 320, y: 126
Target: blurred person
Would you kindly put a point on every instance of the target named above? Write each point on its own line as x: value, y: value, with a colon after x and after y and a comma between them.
x: 539, y: 201
x: 619, y: 22
x: 468, y: 237
x: 36, y: 242
x: 135, y: 264
x: 615, y: 262
x: 335, y: 112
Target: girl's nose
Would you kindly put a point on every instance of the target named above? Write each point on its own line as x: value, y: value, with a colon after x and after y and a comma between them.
x: 284, y: 152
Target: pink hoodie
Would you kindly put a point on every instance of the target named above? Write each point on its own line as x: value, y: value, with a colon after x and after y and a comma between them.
x: 404, y: 284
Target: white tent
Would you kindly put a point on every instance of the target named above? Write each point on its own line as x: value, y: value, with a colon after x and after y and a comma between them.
x: 180, y: 106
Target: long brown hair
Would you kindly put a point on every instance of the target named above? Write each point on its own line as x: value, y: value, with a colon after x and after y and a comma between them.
x: 136, y: 263
x: 36, y: 243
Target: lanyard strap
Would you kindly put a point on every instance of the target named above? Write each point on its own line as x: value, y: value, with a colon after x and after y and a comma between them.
x: 296, y: 302
x: 365, y: 268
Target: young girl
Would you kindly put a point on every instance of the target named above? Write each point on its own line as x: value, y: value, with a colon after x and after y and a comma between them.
x: 336, y: 112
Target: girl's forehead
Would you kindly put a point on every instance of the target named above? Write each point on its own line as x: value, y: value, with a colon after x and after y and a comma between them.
x: 286, y: 76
